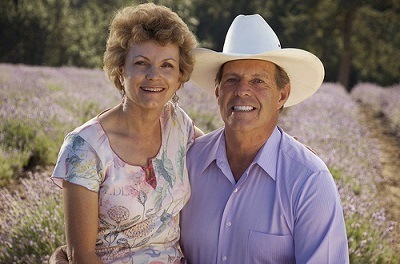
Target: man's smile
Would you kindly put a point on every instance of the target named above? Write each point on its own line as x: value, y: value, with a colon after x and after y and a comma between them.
x: 242, y: 108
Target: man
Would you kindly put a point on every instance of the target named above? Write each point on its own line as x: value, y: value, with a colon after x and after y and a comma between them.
x: 258, y: 195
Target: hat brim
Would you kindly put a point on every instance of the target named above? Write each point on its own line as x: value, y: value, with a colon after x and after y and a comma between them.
x: 306, y: 72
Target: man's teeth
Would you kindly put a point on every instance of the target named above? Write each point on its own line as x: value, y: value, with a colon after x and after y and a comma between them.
x: 243, y: 108
x: 152, y: 89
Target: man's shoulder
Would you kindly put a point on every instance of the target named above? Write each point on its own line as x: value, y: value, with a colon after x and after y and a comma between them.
x: 208, y: 139
x: 205, y: 145
x: 298, y: 153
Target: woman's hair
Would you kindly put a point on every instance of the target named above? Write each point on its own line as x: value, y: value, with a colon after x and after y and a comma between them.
x: 136, y: 24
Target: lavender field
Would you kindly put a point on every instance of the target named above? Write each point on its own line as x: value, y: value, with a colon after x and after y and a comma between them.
x: 39, y: 105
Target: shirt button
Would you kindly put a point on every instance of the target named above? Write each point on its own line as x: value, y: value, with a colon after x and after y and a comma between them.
x: 228, y: 223
x: 236, y: 190
x: 224, y: 258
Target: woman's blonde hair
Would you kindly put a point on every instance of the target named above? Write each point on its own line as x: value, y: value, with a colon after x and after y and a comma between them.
x: 136, y: 24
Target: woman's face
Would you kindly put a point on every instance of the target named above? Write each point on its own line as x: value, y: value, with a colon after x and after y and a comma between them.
x: 150, y: 75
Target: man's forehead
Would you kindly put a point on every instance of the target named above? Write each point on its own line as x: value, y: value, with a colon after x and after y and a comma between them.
x: 249, y: 65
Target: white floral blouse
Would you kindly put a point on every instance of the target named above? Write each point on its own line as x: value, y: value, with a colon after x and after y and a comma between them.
x: 138, y: 206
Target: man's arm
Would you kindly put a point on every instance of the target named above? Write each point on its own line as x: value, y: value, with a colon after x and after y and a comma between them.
x: 320, y: 232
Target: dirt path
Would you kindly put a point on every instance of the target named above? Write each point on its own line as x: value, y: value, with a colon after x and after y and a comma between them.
x: 389, y: 146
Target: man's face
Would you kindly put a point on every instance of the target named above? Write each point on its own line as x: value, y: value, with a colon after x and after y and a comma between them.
x: 248, y: 96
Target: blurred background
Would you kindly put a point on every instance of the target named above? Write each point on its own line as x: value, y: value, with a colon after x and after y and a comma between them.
x: 358, y: 40
x: 51, y: 81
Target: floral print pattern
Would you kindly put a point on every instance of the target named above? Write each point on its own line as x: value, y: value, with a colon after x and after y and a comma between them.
x: 138, y: 206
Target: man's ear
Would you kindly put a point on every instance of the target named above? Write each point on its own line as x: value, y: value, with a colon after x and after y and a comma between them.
x: 216, y: 91
x: 284, y: 96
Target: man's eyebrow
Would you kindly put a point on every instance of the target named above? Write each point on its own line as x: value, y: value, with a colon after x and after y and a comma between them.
x: 231, y: 74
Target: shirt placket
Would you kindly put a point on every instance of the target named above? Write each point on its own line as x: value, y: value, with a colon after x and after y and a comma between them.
x: 227, y: 226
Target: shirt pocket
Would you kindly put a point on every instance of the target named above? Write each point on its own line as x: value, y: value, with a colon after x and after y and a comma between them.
x: 266, y: 248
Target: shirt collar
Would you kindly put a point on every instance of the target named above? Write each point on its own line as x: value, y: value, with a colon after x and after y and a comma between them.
x: 217, y: 151
x: 267, y: 156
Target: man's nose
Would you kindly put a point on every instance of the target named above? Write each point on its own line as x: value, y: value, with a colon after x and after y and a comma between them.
x: 243, y: 88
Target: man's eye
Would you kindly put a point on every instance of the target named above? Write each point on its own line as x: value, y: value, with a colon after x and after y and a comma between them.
x: 258, y: 81
x: 231, y: 80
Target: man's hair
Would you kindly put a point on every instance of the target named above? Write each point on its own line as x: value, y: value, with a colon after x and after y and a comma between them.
x: 144, y: 22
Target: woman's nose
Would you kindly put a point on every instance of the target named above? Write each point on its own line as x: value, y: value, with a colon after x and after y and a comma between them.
x: 152, y: 73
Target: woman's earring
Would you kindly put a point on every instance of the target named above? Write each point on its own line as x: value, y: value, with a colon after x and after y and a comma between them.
x: 123, y: 92
x: 175, y: 99
x: 122, y: 88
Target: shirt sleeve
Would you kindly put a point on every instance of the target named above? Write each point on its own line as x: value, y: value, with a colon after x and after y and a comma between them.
x: 78, y: 163
x: 188, y: 126
x: 320, y: 233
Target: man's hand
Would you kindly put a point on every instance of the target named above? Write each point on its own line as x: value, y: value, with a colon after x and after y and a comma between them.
x: 59, y: 256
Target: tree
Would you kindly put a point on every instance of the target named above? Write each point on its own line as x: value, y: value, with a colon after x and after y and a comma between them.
x: 376, y: 43
x: 356, y: 40
x: 23, y: 29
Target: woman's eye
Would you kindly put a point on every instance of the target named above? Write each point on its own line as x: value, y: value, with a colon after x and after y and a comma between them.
x: 140, y: 63
x: 167, y: 65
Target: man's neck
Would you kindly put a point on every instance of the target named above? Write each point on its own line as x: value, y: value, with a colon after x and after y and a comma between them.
x: 242, y: 148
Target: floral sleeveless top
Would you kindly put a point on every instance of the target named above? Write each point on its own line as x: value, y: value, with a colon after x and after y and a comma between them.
x: 138, y: 206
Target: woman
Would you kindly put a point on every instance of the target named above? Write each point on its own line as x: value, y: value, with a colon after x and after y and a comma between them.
x: 123, y: 173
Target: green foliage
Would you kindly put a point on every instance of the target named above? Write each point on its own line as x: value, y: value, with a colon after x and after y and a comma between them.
x: 70, y: 32
x: 53, y: 87
x: 27, y: 138
x: 17, y: 135
x: 337, y: 174
x: 207, y: 122
x: 376, y: 44
x: 23, y: 146
x: 55, y: 33
x: 89, y: 111
x: 365, y: 243
x: 11, y: 162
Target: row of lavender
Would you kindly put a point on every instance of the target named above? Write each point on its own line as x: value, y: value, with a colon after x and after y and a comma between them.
x: 331, y: 123
x: 38, y: 106
x: 50, y: 102
x: 380, y: 100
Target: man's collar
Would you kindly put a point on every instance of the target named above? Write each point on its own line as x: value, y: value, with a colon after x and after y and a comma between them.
x: 217, y: 151
x: 267, y: 156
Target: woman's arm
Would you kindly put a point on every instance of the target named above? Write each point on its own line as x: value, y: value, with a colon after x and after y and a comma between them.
x: 81, y: 223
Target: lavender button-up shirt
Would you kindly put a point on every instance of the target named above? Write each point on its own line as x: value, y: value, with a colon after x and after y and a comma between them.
x: 284, y: 209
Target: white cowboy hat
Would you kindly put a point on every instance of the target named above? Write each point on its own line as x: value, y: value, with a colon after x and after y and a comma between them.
x: 250, y: 37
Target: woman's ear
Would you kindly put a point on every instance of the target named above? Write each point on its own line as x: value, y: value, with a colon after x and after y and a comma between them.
x: 180, y: 85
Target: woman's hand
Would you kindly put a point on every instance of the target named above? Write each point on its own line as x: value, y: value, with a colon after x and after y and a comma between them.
x: 59, y: 256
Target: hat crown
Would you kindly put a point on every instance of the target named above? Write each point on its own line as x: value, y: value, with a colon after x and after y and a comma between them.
x: 250, y: 34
